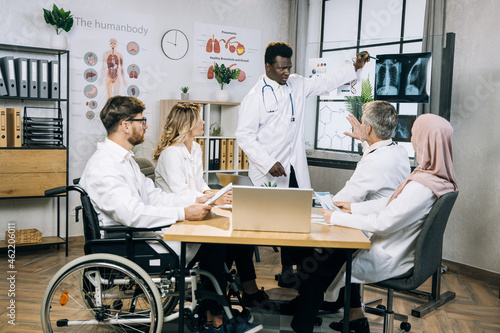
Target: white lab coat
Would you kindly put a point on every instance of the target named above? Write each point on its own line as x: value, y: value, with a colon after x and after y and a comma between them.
x: 181, y: 172
x: 121, y: 194
x: 377, y: 174
x: 270, y: 137
x: 395, y: 228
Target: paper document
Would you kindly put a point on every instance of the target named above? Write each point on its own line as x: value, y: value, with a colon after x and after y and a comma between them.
x: 219, y: 194
x: 326, y: 201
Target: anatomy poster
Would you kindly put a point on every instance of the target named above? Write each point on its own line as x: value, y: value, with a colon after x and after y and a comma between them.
x: 110, y: 55
x: 403, y: 78
x: 236, y: 48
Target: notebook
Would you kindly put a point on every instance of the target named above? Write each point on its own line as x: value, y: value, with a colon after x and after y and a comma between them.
x: 272, y: 209
x: 225, y: 179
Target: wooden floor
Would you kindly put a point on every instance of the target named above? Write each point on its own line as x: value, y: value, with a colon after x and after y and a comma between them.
x: 476, y: 308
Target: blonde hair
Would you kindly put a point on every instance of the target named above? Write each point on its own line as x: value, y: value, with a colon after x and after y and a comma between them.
x: 178, y: 125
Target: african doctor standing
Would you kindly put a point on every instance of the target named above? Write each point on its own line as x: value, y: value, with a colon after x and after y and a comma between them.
x: 270, y: 124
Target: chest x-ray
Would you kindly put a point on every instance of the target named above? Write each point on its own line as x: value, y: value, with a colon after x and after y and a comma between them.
x: 403, y: 78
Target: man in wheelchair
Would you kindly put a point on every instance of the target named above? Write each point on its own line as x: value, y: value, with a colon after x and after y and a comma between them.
x: 122, y: 195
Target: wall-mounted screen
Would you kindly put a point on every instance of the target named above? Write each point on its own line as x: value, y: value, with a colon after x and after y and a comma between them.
x: 403, y: 78
x: 403, y: 130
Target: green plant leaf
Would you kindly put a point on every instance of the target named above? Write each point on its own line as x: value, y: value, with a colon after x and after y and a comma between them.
x: 58, y: 18
x: 224, y: 74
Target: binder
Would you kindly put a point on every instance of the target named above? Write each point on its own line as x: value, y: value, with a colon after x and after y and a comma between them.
x: 217, y: 155
x: 54, y: 79
x: 14, y: 127
x: 201, y: 142
x: 21, y: 69
x: 211, y: 152
x: 223, y: 159
x: 240, y: 164
x: 3, y: 87
x: 229, y: 154
x: 3, y: 127
x: 32, y: 78
x: 7, y: 64
x: 245, y: 161
x: 43, y: 79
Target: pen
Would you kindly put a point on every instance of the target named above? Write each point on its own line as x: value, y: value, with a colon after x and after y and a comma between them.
x: 362, y: 54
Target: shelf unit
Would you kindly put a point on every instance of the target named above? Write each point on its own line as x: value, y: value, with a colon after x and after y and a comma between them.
x: 27, y: 171
x: 223, y: 113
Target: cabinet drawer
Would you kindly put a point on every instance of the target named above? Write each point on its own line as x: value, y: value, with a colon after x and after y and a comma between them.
x: 29, y: 184
x: 32, y: 160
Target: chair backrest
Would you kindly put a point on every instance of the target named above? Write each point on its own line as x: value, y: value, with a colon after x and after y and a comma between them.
x: 429, y: 245
x: 91, y: 229
x: 147, y: 167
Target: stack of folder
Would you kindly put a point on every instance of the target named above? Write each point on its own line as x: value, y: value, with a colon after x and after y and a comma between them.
x: 10, y: 127
x: 42, y: 131
x: 29, y: 78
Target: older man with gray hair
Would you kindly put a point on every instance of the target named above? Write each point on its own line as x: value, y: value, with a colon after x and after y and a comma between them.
x: 382, y: 168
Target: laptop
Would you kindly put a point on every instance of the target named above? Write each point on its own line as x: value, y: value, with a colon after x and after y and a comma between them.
x: 225, y: 179
x: 272, y: 209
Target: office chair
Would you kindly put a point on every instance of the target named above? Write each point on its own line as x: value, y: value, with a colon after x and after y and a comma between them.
x: 428, y: 253
x: 146, y: 166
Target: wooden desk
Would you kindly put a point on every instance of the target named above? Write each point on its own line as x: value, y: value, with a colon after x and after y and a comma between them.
x: 216, y: 228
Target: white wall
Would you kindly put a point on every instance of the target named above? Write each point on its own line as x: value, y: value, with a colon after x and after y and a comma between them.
x: 473, y: 234
x: 21, y: 23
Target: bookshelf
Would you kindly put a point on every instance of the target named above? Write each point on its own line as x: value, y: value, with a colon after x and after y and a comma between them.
x: 225, y: 114
x: 36, y: 158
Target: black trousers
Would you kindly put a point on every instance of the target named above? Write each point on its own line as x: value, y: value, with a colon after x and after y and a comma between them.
x: 317, y: 273
x: 211, y: 258
x: 242, y: 256
x: 287, y: 257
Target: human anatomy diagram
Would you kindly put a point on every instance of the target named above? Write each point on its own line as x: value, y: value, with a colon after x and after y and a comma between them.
x: 231, y: 44
x: 113, y: 67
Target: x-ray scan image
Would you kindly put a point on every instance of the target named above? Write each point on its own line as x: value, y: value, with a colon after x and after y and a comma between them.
x: 403, y: 78
x: 388, y: 73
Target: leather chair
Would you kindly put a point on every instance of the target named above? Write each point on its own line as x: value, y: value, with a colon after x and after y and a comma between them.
x: 428, y: 253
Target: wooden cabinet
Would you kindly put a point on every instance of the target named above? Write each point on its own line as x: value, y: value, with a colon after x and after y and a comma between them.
x: 222, y: 115
x: 39, y: 161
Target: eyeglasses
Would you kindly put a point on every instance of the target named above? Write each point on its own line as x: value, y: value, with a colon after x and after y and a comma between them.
x: 143, y: 120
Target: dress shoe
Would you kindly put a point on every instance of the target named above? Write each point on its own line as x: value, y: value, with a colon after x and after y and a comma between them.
x: 255, y: 299
x: 291, y: 281
x: 355, y: 326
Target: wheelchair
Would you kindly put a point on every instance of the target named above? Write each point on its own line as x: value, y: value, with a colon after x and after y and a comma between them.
x: 122, y: 284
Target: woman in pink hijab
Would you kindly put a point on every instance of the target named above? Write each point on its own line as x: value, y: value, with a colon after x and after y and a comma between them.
x: 394, y: 224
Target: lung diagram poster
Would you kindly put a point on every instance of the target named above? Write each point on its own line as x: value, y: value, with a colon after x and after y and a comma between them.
x: 236, y: 48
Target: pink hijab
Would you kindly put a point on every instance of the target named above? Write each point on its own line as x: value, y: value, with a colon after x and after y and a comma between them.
x: 431, y: 139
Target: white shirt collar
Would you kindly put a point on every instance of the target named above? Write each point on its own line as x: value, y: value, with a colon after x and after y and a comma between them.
x: 119, y: 150
x: 275, y: 85
x: 376, y: 145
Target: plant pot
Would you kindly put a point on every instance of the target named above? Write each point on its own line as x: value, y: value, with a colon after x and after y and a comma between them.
x: 222, y: 96
x: 59, y: 42
x: 185, y: 96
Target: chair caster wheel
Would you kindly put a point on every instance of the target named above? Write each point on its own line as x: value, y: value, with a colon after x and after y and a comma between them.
x: 318, y: 321
x: 405, y: 326
x: 381, y: 307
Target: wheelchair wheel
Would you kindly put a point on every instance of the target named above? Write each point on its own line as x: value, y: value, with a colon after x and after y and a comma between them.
x: 102, y: 293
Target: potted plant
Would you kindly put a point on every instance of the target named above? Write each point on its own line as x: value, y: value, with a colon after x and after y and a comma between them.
x: 224, y: 75
x: 60, y: 20
x: 354, y: 104
x: 184, y: 93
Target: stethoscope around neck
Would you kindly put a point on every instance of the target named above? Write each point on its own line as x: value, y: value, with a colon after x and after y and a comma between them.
x: 271, y: 109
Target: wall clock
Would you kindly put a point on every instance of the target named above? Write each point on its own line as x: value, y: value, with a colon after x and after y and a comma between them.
x: 174, y: 44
